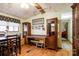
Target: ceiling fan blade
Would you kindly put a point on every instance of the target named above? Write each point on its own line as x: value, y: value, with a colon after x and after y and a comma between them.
x: 39, y: 8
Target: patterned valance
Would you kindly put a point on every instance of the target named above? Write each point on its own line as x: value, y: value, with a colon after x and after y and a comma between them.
x: 9, y: 19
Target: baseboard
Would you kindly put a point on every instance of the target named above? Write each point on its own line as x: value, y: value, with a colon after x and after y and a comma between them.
x: 70, y: 42
x: 59, y: 48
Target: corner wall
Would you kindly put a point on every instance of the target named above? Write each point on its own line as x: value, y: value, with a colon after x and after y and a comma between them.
x: 47, y: 15
x: 12, y: 17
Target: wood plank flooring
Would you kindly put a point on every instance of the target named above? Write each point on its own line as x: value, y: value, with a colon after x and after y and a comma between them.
x: 28, y: 50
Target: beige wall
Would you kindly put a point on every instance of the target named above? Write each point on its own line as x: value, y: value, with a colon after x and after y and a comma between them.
x: 67, y: 17
x: 69, y: 21
x: 12, y: 17
x: 47, y: 15
x: 20, y: 29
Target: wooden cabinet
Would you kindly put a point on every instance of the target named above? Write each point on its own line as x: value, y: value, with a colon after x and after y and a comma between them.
x: 26, y: 30
x: 75, y: 21
x: 52, y: 28
x: 51, y: 42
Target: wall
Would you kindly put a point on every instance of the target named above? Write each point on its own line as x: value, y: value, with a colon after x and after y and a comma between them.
x: 67, y: 17
x: 70, y: 31
x: 12, y: 17
x: 47, y: 15
x: 20, y: 28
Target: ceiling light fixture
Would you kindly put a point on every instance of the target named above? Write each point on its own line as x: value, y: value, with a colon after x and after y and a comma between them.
x: 25, y: 5
x: 33, y: 4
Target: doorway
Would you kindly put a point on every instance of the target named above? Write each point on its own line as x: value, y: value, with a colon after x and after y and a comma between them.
x: 66, y: 34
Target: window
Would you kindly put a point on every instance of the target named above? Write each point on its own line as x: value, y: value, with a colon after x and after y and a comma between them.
x: 13, y: 26
x: 10, y: 28
x: 9, y: 25
x: 25, y: 28
x: 16, y: 28
x: 3, y: 25
x: 2, y: 28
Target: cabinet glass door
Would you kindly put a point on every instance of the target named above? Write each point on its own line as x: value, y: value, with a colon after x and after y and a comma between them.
x: 52, y: 27
x: 25, y: 28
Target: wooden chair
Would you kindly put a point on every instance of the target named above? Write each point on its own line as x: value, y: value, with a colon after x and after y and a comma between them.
x: 3, y: 47
x: 15, y: 43
x: 18, y: 44
x: 10, y: 46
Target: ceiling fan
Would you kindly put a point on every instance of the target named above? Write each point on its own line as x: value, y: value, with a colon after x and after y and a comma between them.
x: 39, y: 8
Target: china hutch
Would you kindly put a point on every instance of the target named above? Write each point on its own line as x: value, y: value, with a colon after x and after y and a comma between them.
x: 26, y: 30
x: 52, y: 28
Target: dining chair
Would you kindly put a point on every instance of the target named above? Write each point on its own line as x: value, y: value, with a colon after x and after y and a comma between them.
x: 11, y: 46
x: 3, y: 47
x: 16, y: 44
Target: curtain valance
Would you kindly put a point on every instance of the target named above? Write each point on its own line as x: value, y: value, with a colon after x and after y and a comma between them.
x: 9, y: 19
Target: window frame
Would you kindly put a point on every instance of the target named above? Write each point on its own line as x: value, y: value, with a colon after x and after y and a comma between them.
x: 13, y: 29
x: 2, y: 26
x: 7, y: 26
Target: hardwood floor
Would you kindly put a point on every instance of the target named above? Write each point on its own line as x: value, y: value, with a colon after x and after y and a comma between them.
x: 67, y: 45
x: 28, y: 50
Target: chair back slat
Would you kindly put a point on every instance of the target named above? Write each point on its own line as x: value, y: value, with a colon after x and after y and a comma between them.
x: 10, y: 44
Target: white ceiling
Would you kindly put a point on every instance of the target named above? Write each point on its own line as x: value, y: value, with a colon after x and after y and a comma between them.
x: 15, y: 9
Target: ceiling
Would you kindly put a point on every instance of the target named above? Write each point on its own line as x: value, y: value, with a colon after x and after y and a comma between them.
x: 14, y: 9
